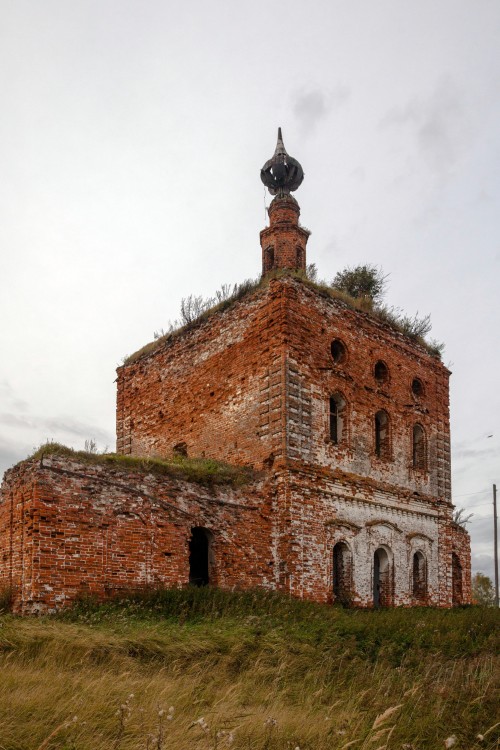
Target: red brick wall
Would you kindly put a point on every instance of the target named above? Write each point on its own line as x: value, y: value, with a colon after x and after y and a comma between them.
x: 284, y: 241
x: 251, y: 385
x: 218, y: 388
x: 312, y: 376
x: 93, y: 529
x: 96, y: 529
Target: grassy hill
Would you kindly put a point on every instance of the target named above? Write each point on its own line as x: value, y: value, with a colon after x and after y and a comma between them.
x: 206, y: 669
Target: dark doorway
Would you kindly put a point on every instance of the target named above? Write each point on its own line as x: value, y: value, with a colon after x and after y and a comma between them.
x: 382, y: 579
x: 419, y: 577
x: 456, y: 580
x: 342, y: 574
x: 199, y: 547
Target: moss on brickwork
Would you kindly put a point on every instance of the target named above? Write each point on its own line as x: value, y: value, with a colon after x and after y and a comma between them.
x: 204, y: 471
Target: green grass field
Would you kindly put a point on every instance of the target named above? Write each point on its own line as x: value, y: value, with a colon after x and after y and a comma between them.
x: 202, y: 668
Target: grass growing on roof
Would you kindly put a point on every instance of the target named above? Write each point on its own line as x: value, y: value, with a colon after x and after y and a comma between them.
x: 409, y: 327
x: 205, y: 471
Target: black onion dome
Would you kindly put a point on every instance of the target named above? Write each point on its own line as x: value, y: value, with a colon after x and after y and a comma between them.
x: 282, y: 173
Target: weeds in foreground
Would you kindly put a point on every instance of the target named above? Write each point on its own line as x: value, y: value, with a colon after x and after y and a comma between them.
x: 210, y: 670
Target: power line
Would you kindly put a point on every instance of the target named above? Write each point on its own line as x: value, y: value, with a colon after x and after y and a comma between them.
x: 469, y: 494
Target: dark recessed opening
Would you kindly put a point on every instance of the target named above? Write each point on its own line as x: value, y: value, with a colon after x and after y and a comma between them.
x: 180, y: 449
x: 381, y: 372
x: 417, y: 387
x: 338, y: 351
x: 198, y: 557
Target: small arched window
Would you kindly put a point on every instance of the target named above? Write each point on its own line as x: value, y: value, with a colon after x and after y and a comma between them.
x: 269, y: 257
x: 419, y: 577
x: 418, y: 449
x: 337, y: 418
x: 382, y: 445
x: 381, y: 372
x: 298, y: 257
x: 338, y: 350
x: 417, y: 387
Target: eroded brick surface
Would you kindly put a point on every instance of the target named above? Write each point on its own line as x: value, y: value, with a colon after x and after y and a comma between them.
x: 345, y: 419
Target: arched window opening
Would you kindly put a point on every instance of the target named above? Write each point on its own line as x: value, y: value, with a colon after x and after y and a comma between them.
x: 298, y: 256
x: 419, y: 461
x: 456, y: 580
x: 382, y: 447
x: 381, y: 372
x: 337, y: 418
x: 342, y: 574
x: 382, y: 579
x: 417, y: 387
x: 419, y: 577
x: 199, y: 556
x: 338, y: 350
x: 269, y: 258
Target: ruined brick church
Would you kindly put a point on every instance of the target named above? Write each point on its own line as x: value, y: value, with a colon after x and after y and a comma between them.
x: 342, y: 420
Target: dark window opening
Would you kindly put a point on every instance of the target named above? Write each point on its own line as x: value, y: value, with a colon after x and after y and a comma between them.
x: 269, y: 258
x: 456, y: 580
x: 334, y: 431
x: 337, y: 407
x: 342, y: 574
x: 419, y: 577
x: 382, y: 448
x: 338, y: 351
x: 417, y: 387
x: 180, y: 449
x: 298, y: 256
x: 419, y: 461
x: 199, y: 549
x: 382, y: 579
x: 381, y: 372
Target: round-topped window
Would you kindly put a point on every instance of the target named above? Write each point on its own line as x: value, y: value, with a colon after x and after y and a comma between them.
x: 417, y: 387
x: 381, y: 372
x: 339, y: 352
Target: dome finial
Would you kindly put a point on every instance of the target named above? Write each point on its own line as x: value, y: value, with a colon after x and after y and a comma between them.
x: 282, y: 174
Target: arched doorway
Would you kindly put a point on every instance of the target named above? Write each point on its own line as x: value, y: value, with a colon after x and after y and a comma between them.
x: 456, y: 580
x: 199, y: 556
x: 382, y: 579
x: 342, y: 573
x: 419, y: 577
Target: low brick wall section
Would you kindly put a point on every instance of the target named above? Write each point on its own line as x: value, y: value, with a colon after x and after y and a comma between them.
x: 69, y: 528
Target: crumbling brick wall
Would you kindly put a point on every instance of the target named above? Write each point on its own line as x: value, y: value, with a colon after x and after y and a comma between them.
x: 318, y: 510
x: 71, y: 528
x: 259, y: 382
x: 216, y: 388
x: 313, y: 322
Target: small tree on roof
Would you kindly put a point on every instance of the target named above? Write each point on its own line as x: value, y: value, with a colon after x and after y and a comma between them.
x: 362, y: 281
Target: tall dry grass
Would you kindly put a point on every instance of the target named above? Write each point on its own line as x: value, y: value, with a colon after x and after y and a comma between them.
x: 252, y: 671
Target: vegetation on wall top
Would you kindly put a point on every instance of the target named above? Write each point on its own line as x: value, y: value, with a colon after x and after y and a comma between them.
x: 204, y: 471
x: 362, y: 288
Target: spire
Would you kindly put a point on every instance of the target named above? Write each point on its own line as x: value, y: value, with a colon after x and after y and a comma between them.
x: 284, y: 241
x: 282, y: 174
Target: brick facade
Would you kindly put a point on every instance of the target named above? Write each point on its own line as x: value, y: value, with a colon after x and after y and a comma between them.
x: 344, y: 419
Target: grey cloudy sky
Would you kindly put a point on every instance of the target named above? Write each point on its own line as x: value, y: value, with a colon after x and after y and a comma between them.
x: 131, y: 138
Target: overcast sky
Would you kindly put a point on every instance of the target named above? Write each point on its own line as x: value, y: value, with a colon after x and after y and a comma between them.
x: 131, y: 139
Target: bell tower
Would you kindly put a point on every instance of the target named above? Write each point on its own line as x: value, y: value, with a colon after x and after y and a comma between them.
x: 284, y: 241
